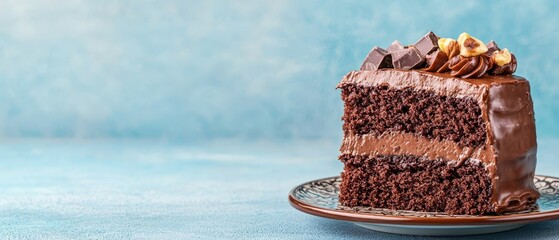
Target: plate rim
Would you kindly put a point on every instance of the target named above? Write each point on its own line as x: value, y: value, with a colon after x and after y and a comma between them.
x: 409, y: 220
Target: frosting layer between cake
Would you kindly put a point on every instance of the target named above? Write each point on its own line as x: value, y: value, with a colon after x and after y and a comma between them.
x: 396, y: 143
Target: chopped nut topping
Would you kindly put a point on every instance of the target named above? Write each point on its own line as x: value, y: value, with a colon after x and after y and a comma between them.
x: 470, y: 46
x: 502, y: 57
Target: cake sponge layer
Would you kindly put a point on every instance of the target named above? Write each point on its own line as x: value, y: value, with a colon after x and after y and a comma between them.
x: 379, y: 109
x: 407, y: 182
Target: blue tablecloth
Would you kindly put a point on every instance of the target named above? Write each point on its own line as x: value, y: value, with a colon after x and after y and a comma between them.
x: 237, y: 189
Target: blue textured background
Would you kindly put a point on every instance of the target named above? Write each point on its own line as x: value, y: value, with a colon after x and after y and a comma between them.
x: 186, y: 70
x: 193, y: 119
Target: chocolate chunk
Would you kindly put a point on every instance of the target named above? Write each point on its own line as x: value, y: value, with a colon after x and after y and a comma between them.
x: 491, y: 47
x: 376, y: 59
x: 435, y: 61
x: 395, y: 46
x: 427, y: 44
x: 408, y: 58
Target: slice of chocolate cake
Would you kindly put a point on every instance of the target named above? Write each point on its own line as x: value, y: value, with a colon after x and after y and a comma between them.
x: 461, y: 141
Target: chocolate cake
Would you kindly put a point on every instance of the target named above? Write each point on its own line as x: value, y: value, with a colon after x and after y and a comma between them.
x: 438, y: 126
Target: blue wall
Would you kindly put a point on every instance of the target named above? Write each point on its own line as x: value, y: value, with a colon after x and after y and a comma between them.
x: 221, y: 69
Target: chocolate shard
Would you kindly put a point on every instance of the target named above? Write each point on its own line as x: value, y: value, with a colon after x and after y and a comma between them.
x: 491, y: 47
x: 395, y: 46
x: 376, y: 59
x: 408, y: 58
x: 427, y: 44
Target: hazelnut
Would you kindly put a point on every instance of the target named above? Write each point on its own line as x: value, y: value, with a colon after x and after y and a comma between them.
x: 502, y: 57
x: 444, y: 44
x: 470, y: 46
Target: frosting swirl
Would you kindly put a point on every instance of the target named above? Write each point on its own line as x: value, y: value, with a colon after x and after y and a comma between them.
x: 469, y: 67
x: 469, y: 57
x: 438, y: 61
x: 508, y: 68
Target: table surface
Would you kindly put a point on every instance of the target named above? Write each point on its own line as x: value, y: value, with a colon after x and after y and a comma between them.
x: 236, y: 189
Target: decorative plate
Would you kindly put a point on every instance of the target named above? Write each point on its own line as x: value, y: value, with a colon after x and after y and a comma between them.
x: 320, y: 198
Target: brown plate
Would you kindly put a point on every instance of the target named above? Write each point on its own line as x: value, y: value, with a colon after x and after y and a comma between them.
x: 320, y: 198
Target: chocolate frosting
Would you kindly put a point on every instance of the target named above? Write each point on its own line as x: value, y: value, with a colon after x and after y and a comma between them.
x: 509, y: 153
x: 451, y: 61
x: 512, y: 124
x: 440, y: 59
x: 436, y: 61
x: 469, y: 67
x: 397, y: 143
x: 508, y: 68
